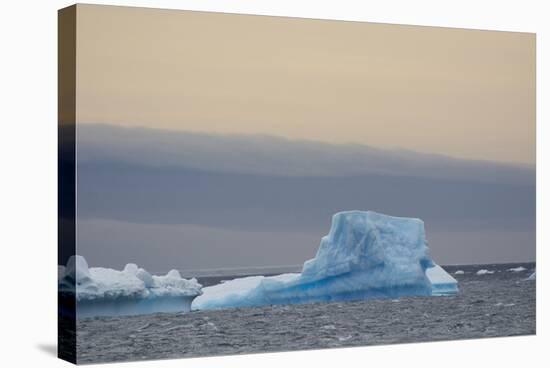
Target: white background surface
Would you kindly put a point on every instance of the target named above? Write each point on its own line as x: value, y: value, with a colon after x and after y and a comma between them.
x: 28, y: 182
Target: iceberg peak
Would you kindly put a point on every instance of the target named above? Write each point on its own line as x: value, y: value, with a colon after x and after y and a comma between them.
x: 131, y: 268
x: 175, y: 274
x: 368, y: 240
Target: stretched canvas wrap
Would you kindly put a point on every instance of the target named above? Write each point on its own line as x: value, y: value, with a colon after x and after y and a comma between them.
x: 238, y: 184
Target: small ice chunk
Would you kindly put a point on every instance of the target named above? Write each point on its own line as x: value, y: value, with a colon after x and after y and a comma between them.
x: 459, y: 272
x: 484, y: 272
x: 517, y: 269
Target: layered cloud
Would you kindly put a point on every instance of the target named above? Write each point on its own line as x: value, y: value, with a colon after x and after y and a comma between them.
x: 254, y: 187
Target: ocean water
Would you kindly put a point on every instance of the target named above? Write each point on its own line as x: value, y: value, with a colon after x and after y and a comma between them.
x: 491, y: 305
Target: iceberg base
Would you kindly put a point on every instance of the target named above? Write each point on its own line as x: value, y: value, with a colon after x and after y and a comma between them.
x: 133, y: 306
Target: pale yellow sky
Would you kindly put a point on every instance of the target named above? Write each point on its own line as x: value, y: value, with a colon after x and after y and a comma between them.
x: 464, y: 93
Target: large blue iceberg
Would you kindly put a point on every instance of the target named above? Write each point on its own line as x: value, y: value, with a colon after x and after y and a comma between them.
x: 365, y: 255
x: 107, y: 292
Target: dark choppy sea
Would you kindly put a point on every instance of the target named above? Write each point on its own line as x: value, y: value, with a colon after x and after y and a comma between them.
x: 491, y: 305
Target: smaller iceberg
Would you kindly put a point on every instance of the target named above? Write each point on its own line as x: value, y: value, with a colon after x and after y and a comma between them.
x: 484, y: 272
x: 459, y: 272
x: 517, y: 269
x: 107, y: 292
x: 365, y: 255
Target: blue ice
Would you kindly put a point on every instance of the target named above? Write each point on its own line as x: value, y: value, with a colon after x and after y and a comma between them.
x: 365, y: 255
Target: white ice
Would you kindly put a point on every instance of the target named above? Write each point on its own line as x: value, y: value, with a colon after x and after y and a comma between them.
x: 104, y: 291
x: 459, y: 272
x: 365, y: 255
x: 517, y: 269
x: 484, y: 272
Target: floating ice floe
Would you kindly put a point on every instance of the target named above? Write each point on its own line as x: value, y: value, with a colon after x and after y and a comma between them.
x: 459, y: 272
x: 484, y: 272
x: 107, y: 292
x: 442, y: 282
x: 365, y: 255
x: 517, y: 269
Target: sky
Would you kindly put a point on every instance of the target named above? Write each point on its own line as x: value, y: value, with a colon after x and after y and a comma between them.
x: 214, y: 140
x: 464, y: 93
